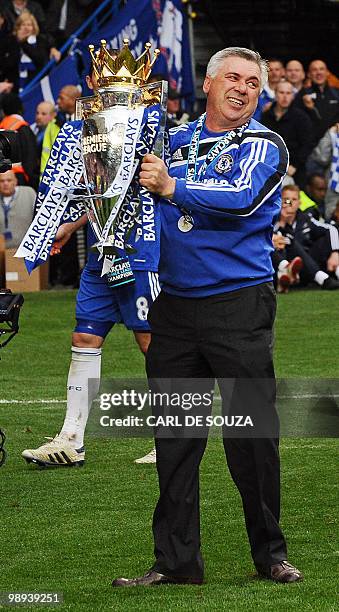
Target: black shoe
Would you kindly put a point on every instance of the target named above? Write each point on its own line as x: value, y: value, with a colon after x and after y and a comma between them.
x: 281, y: 572
x: 153, y: 578
x: 330, y: 284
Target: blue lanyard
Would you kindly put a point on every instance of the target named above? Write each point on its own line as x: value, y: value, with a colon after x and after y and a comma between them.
x: 6, y: 208
x: 191, y: 171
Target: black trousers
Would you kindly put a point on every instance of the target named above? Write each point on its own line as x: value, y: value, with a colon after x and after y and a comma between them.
x: 223, y: 336
x: 314, y: 258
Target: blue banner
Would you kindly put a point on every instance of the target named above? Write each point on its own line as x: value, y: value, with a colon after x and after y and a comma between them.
x: 161, y: 22
x: 62, y: 74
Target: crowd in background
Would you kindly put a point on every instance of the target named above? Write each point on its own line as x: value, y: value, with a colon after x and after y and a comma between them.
x: 303, y: 107
x: 301, y: 103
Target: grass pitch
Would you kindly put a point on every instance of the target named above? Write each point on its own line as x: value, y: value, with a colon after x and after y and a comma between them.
x: 72, y: 531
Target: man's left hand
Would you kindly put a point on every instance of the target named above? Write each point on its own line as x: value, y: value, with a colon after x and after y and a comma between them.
x: 155, y: 178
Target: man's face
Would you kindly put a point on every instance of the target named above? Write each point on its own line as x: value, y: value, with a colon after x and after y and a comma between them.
x: 66, y: 103
x: 295, y: 72
x: 317, y: 189
x: 8, y: 183
x: 92, y: 82
x: 173, y: 105
x: 290, y: 205
x: 44, y: 114
x: 232, y: 95
x: 318, y: 72
x: 284, y: 95
x: 276, y: 72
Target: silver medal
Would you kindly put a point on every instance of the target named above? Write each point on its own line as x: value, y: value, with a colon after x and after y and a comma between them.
x: 185, y: 223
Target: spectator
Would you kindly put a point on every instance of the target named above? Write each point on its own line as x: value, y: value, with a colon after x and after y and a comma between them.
x: 295, y: 74
x: 175, y: 114
x: 316, y: 243
x: 64, y: 17
x: 24, y: 52
x: 312, y: 200
x: 173, y: 107
x: 325, y: 156
x: 16, y: 210
x: 26, y: 170
x: 320, y: 101
x: 5, y: 27
x: 335, y: 216
x: 6, y: 84
x: 276, y: 73
x: 45, y: 112
x: 30, y: 54
x: 66, y: 101
x: 294, y: 126
x: 12, y: 9
x: 286, y: 272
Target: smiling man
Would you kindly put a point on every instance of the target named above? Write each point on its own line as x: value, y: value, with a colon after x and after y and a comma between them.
x: 214, y: 316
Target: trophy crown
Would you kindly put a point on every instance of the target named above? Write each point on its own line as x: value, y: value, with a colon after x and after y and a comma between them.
x: 113, y: 66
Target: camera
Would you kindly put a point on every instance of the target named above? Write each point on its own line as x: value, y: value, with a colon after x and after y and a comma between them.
x: 10, y: 304
x: 10, y: 151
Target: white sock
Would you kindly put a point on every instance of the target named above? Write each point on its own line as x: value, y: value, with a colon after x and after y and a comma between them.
x: 85, y: 364
x: 337, y: 272
x: 283, y: 265
x: 320, y: 277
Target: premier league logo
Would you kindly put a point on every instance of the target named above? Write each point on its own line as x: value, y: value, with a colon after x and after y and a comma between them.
x: 224, y: 163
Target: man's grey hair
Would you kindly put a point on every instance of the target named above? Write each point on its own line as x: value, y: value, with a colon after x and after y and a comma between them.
x: 218, y: 58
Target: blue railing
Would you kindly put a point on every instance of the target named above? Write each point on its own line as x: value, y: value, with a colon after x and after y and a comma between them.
x: 95, y: 20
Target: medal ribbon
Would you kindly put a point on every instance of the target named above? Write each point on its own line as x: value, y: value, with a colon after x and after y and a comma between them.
x: 191, y: 172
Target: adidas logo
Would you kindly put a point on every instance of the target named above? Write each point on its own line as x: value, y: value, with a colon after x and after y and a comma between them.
x: 177, y: 155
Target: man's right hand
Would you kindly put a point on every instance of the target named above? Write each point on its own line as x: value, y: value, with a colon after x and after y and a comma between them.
x: 64, y: 233
x: 62, y: 236
x: 308, y: 102
x: 279, y: 241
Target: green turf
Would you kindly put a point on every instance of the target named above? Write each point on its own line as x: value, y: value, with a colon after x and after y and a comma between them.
x: 73, y: 531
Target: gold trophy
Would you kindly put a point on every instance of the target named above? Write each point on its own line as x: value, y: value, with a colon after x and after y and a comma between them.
x: 123, y: 121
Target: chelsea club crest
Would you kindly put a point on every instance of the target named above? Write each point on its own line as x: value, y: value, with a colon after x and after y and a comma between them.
x: 224, y: 163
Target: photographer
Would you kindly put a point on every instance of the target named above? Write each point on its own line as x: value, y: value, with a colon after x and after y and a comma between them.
x: 316, y: 243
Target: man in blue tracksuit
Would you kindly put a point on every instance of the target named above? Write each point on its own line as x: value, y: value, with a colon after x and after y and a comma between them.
x: 214, y: 316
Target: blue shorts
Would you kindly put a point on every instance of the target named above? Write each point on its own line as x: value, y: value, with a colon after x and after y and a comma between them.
x: 99, y: 307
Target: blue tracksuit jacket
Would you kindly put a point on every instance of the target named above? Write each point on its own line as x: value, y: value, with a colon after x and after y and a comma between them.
x: 234, y: 205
